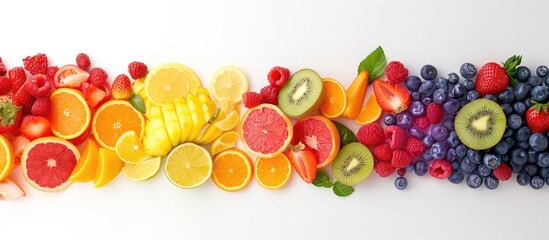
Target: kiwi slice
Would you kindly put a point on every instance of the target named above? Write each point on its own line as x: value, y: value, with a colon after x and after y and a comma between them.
x: 353, y: 164
x: 480, y: 124
x: 302, y: 94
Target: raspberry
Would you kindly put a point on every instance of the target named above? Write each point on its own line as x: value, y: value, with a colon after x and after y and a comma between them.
x: 384, y: 169
x: 51, y: 71
x: 278, y: 76
x: 98, y: 76
x: 3, y: 69
x: 401, y: 172
x: 83, y: 61
x: 422, y: 123
x: 396, y: 137
x: 434, y: 113
x: 270, y: 94
x: 39, y: 86
x: 252, y: 99
x: 396, y: 72
x: 36, y: 64
x: 24, y: 99
x: 503, y: 172
x: 401, y: 158
x: 414, y: 146
x: 370, y: 134
x: 137, y: 69
x: 41, y: 107
x: 5, y: 85
x: 18, y: 77
x: 383, y: 153
x: 440, y: 169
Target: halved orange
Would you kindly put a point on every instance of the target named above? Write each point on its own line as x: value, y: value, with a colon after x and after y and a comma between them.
x: 232, y: 170
x: 114, y: 118
x: 7, y: 158
x: 70, y: 115
x: 273, y: 173
x: 370, y: 112
x: 335, y: 98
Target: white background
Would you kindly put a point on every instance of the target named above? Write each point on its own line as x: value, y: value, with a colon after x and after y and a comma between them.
x: 331, y: 37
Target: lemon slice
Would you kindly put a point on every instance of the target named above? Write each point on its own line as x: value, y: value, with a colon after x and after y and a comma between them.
x: 130, y: 149
x: 226, y: 141
x: 228, y: 82
x: 168, y: 81
x: 188, y: 165
x: 143, y: 170
x: 229, y: 123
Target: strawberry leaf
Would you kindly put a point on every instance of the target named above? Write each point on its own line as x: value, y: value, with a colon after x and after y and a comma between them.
x: 511, y: 67
x: 342, y: 190
x: 322, y: 180
x: 374, y: 64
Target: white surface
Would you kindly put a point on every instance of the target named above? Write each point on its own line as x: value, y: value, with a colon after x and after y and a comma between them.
x: 331, y: 37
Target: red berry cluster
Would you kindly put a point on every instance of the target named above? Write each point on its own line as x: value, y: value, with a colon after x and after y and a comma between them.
x: 278, y: 76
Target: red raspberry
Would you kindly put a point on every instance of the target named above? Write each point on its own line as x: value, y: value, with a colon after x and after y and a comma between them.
x: 51, y: 71
x: 422, y: 123
x: 401, y: 158
x: 36, y: 64
x: 5, y: 85
x: 39, y: 86
x: 503, y: 172
x: 384, y: 169
x: 270, y: 94
x: 83, y: 61
x: 414, y: 146
x: 383, y: 153
x: 3, y: 69
x: 24, y: 99
x: 370, y: 134
x: 440, y: 169
x: 252, y: 99
x: 396, y: 72
x: 98, y: 76
x: 278, y: 76
x: 18, y: 77
x: 434, y: 113
x: 137, y: 69
x: 401, y: 172
x: 41, y: 107
x: 396, y: 136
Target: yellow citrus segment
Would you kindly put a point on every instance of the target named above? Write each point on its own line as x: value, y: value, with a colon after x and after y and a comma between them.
x: 130, y: 149
x: 142, y: 171
x: 7, y: 158
x: 188, y: 165
x: 229, y: 123
x: 86, y: 166
x: 108, y: 167
x: 227, y: 105
x: 273, y: 173
x: 370, y: 112
x: 335, y: 98
x: 114, y: 118
x: 168, y: 81
x: 228, y: 82
x: 226, y: 141
x: 232, y: 170
x: 70, y: 115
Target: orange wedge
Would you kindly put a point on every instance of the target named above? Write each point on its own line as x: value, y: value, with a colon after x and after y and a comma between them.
x: 226, y: 141
x: 70, y: 115
x: 232, y: 170
x: 7, y: 158
x: 114, y: 118
x: 273, y: 173
x: 370, y: 112
x: 335, y: 98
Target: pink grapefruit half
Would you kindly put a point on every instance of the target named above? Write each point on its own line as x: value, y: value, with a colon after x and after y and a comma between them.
x: 321, y: 135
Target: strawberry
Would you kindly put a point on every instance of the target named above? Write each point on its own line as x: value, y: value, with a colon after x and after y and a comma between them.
x: 83, y: 61
x: 137, y: 69
x: 36, y: 64
x: 304, y: 161
x: 41, y: 107
x: 391, y: 98
x: 33, y: 127
x: 10, y: 114
x: 494, y: 79
x: 18, y: 77
x: 537, y: 118
x: 3, y: 69
x: 121, y: 87
x: 39, y: 85
x: 5, y: 84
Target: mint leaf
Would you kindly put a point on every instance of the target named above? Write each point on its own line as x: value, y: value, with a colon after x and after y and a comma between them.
x: 137, y: 102
x: 342, y: 190
x: 346, y: 136
x: 374, y: 64
x: 322, y: 180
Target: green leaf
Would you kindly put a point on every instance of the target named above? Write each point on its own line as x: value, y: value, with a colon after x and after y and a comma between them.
x: 511, y: 67
x: 342, y: 190
x: 374, y: 64
x: 137, y: 102
x: 346, y: 136
x: 322, y: 180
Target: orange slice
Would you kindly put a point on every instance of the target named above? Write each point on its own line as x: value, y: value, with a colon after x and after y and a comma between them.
x: 70, y: 115
x: 226, y: 141
x: 108, y: 167
x: 232, y: 170
x: 7, y: 158
x: 114, y: 118
x: 273, y: 173
x: 85, y: 168
x: 335, y: 98
x: 370, y: 112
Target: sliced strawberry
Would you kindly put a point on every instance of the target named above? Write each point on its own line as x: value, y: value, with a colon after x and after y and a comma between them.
x: 304, y: 162
x: 95, y: 96
x: 34, y: 127
x: 391, y: 98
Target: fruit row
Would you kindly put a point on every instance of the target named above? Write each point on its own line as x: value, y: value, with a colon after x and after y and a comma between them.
x: 68, y: 124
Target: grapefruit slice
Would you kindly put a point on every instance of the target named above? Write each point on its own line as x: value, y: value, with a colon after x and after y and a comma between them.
x: 47, y: 163
x: 265, y: 131
x: 321, y: 135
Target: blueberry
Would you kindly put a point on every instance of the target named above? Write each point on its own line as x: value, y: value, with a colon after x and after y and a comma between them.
x: 456, y: 177
x: 412, y: 83
x: 440, y: 95
x: 511, y: 142
x: 522, y: 74
x: 523, y: 134
x: 439, y: 133
x: 507, y: 109
x: 502, y: 147
x: 523, y: 179
x: 504, y: 158
x: 401, y: 183
x: 491, y: 161
x: 472, y: 95
x: 508, y: 133
x: 531, y: 169
x: 468, y: 70
x: 442, y: 83
x: 491, y: 97
x: 527, y: 102
x: 427, y: 100
x: 389, y: 119
x: 439, y: 150
x: 405, y: 120
x: 540, y: 93
x: 543, y: 159
x: 469, y: 84
x: 466, y: 166
x: 506, y: 96
x: 427, y: 88
x: 474, y: 181
x: 416, y: 132
x: 516, y: 168
x: 519, y: 108
x: 417, y: 108
x: 474, y: 156
x: 538, y: 142
x: 455, y: 165
x: 449, y: 124
x: 542, y: 71
x: 491, y: 182
x: 459, y: 90
x: 534, y: 81
x: 483, y: 170
x: 524, y: 145
x: 415, y: 96
x: 453, y: 139
x: 514, y: 121
x: 519, y: 156
x: 427, y: 154
x: 451, y: 154
x: 461, y: 151
x: 453, y: 78
x: 532, y: 156
x: 428, y: 72
x: 421, y: 168
x: 521, y: 91
x: 451, y: 106
x: 544, y: 172
x: 537, y: 182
